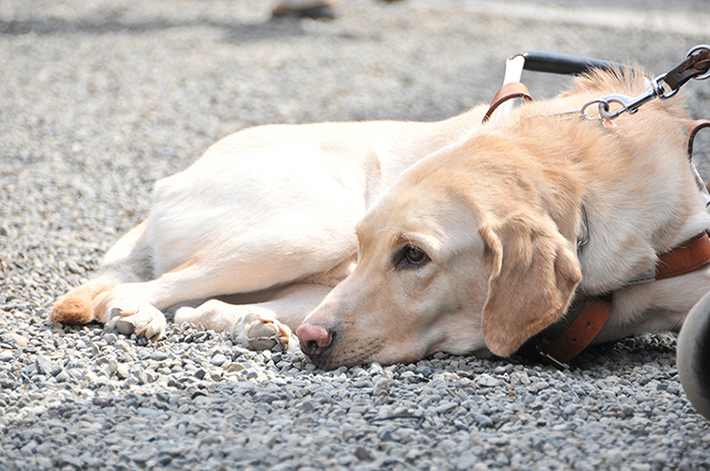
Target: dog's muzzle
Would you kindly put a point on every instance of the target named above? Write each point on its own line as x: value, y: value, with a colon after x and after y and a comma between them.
x: 315, y: 342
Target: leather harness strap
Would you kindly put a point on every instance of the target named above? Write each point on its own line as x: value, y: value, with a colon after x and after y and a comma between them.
x: 507, y: 92
x: 580, y: 333
x: 687, y: 257
x: 690, y: 256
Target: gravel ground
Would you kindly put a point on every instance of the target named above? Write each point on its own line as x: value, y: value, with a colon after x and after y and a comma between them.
x: 100, y: 98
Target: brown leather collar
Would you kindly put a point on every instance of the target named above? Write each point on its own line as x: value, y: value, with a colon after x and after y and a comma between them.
x: 687, y: 257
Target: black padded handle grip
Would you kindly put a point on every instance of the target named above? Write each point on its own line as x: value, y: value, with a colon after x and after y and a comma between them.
x: 563, y: 64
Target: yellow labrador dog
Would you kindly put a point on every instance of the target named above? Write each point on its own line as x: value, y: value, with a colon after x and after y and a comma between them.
x: 465, y: 235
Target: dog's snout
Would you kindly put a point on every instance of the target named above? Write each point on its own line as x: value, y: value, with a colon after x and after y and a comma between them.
x: 314, y: 339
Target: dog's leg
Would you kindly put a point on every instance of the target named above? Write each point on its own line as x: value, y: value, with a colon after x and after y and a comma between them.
x: 120, y: 298
x: 128, y: 260
x: 137, y: 307
x: 260, y: 326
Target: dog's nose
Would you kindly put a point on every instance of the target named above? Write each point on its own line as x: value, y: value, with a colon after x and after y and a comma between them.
x: 314, y: 339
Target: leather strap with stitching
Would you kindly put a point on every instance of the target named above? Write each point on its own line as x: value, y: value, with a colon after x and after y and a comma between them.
x: 580, y: 333
x: 507, y: 92
x: 687, y: 257
x: 693, y: 66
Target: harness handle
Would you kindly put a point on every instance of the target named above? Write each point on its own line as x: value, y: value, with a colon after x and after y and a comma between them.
x: 563, y: 64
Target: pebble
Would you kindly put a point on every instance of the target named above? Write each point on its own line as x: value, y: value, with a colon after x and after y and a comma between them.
x: 484, y: 420
x: 159, y: 356
x: 96, y: 107
x: 445, y: 407
x: 218, y: 360
x: 488, y: 381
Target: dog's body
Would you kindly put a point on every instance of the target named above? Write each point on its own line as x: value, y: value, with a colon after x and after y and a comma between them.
x: 268, y: 213
x: 472, y: 247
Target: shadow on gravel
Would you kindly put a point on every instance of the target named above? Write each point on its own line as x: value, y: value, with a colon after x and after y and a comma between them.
x: 235, y: 32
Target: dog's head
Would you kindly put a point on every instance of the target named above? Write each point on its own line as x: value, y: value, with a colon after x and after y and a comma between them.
x: 465, y: 252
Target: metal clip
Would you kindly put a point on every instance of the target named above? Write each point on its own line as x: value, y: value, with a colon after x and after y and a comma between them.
x: 632, y: 104
x: 691, y: 67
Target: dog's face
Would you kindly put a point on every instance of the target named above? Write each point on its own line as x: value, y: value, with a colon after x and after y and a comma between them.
x: 450, y: 260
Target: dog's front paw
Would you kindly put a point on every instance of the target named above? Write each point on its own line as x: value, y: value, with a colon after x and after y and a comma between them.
x: 128, y: 313
x: 127, y: 317
x: 146, y: 321
x: 262, y: 332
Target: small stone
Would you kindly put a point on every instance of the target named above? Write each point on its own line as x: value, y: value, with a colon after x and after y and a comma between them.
x: 484, y: 420
x: 44, y: 365
x: 6, y: 355
x: 74, y: 267
x: 539, y: 386
x: 20, y: 340
x: 110, y: 366
x: 73, y: 461
x: 236, y: 367
x: 122, y: 371
x: 62, y: 377
x: 362, y: 454
x: 445, y: 407
x: 218, y: 360
x: 159, y: 355
x: 446, y: 377
x: 44, y: 463
x: 519, y: 379
x: 488, y: 381
x: 382, y: 386
x: 466, y: 461
x: 123, y: 346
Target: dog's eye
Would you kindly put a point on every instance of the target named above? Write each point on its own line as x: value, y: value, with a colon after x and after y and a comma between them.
x: 415, y: 256
x: 412, y: 257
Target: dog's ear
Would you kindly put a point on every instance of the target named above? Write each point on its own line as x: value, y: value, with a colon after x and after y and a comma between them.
x: 534, y: 272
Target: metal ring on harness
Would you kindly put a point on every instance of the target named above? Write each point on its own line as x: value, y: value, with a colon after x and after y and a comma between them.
x: 692, y: 51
